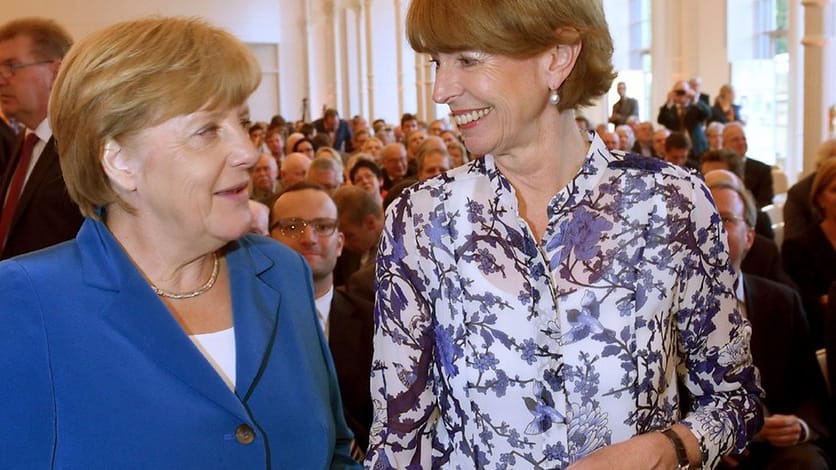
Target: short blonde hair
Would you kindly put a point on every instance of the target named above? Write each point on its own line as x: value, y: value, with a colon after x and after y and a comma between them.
x: 824, y: 176
x: 520, y: 30
x: 134, y: 75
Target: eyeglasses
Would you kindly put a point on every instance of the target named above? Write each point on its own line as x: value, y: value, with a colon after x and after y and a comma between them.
x: 295, y: 226
x: 680, y: 92
x: 8, y: 70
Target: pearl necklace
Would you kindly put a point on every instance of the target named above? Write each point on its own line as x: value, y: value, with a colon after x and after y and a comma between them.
x: 200, y: 290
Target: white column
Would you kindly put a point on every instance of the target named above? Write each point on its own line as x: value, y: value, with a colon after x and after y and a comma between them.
x: 368, y: 100
x: 819, y: 74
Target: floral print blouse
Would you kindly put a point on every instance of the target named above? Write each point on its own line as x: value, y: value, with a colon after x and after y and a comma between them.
x: 494, y: 351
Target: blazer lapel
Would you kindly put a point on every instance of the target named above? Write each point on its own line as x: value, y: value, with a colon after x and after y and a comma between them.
x: 134, y: 311
x: 255, y: 303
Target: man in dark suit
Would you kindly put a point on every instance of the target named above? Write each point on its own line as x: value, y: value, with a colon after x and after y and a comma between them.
x: 361, y: 221
x: 624, y: 107
x: 795, y: 426
x: 337, y: 129
x: 7, y: 142
x: 684, y: 112
x: 305, y: 219
x: 36, y: 210
x: 757, y: 176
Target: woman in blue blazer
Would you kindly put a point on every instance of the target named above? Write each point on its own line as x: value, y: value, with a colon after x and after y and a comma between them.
x: 162, y: 336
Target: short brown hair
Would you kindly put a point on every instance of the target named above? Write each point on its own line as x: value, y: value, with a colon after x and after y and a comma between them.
x: 824, y: 176
x: 520, y: 30
x: 135, y: 75
x: 734, y: 162
x: 50, y: 41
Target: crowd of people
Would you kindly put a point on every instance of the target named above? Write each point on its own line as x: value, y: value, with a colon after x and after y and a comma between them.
x: 510, y: 288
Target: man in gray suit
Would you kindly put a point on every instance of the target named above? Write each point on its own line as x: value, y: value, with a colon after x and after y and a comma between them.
x: 624, y: 107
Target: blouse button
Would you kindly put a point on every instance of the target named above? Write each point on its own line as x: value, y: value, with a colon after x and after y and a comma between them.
x: 244, y: 434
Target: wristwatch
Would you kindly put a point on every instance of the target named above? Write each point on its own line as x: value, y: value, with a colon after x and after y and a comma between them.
x: 679, y: 447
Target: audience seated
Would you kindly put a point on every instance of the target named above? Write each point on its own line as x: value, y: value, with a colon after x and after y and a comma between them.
x: 644, y: 140
x: 361, y: 221
x: 763, y: 258
x: 610, y: 139
x: 294, y: 168
x: 366, y: 175
x: 798, y: 211
x: 431, y: 159
x: 305, y: 219
x: 730, y: 161
x: 714, y: 135
x: 795, y: 427
x: 677, y: 147
x: 458, y: 153
x: 305, y: 146
x: 626, y: 137
x: 659, y: 138
x: 757, y: 176
x: 810, y: 258
x: 327, y: 172
x: 393, y: 161
x: 264, y: 179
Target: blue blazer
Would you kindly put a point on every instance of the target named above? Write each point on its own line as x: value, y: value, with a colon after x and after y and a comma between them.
x: 96, y: 373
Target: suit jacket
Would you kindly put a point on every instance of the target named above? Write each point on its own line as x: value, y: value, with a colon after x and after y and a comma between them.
x: 764, y: 260
x: 351, y: 326
x: 45, y: 214
x: 691, y: 122
x: 782, y: 351
x: 7, y: 145
x: 623, y: 109
x: 757, y: 177
x: 342, y: 137
x: 810, y: 260
x: 798, y: 211
x: 104, y: 376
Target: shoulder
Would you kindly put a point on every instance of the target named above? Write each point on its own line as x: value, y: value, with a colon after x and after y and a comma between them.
x: 758, y: 165
x: 463, y: 181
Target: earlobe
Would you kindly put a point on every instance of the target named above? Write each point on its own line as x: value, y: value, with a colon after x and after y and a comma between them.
x: 117, y: 166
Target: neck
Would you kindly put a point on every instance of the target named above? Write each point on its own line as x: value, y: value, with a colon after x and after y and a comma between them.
x: 551, y: 162
x: 169, y: 264
x: 323, y: 285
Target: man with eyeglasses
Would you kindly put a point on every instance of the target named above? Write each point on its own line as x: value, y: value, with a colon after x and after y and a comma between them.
x: 35, y: 209
x: 305, y: 219
x: 684, y: 112
x: 795, y: 427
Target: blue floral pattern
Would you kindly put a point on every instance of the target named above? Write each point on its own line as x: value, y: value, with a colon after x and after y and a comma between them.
x: 495, y: 351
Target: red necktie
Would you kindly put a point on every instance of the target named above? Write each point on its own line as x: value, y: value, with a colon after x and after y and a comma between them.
x: 16, y: 187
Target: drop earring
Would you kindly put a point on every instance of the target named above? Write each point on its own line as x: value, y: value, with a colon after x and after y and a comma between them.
x: 554, y: 97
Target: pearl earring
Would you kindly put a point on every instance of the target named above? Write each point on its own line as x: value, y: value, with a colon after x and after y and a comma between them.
x: 554, y: 97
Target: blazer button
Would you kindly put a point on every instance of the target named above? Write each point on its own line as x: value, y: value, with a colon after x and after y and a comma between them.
x: 244, y: 434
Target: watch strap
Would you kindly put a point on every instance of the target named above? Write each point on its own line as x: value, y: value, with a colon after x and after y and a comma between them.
x: 679, y: 447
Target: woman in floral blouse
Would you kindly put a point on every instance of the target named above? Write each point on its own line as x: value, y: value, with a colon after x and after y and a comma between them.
x: 551, y: 304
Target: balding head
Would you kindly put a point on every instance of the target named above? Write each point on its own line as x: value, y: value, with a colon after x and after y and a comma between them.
x: 294, y: 168
x: 734, y: 138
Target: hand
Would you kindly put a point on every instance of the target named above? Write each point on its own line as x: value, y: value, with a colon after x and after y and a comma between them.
x: 647, y: 451
x: 781, y: 430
